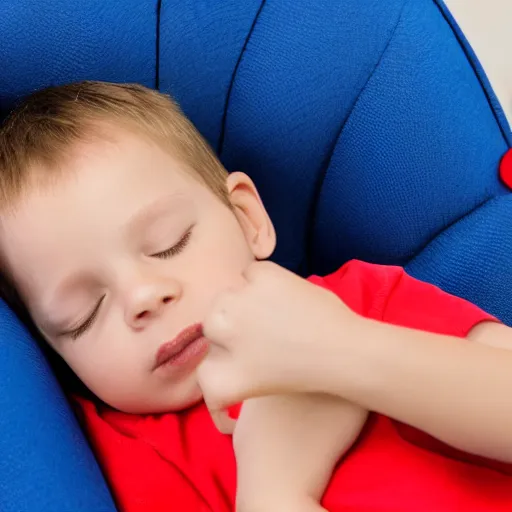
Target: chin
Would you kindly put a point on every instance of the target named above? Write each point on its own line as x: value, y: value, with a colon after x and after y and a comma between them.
x: 172, y: 404
x: 192, y: 403
x: 182, y: 396
x: 189, y: 400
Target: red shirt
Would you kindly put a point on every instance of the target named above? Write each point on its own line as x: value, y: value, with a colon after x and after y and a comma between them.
x: 180, y: 461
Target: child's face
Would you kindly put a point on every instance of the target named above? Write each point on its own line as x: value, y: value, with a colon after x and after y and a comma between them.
x: 88, y: 253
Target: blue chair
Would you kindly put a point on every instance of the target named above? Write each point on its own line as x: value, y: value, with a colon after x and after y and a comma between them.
x: 369, y: 127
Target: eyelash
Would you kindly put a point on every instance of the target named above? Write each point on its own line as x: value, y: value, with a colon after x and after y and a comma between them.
x: 175, y: 249
x: 168, y: 253
x: 82, y: 328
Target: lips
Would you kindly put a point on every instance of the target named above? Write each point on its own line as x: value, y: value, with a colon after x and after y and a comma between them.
x: 187, y: 344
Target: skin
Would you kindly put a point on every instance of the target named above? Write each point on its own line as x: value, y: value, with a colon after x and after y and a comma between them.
x: 124, y: 252
x: 101, y: 232
x: 84, y: 238
x: 456, y: 390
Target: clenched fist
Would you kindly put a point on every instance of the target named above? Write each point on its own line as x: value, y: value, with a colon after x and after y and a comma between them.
x: 268, y: 337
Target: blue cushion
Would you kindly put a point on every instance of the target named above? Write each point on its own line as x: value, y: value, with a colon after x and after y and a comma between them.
x: 472, y: 257
x: 45, y: 462
x: 369, y: 127
x: 46, y: 42
x: 419, y: 151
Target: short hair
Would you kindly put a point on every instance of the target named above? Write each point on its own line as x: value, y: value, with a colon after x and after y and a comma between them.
x: 46, y: 126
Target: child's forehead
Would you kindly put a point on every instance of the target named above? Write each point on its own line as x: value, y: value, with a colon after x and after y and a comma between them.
x: 111, y: 140
x: 102, y: 171
x: 113, y: 177
x: 116, y: 151
x: 101, y: 143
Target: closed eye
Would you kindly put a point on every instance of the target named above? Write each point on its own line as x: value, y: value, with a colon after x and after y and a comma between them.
x: 74, y: 334
x: 175, y: 249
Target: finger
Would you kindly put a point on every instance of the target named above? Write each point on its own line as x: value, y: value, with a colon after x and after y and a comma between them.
x: 218, y: 386
x: 225, y: 389
x: 218, y: 323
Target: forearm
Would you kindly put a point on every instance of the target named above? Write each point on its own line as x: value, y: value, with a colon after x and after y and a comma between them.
x: 299, y: 440
x: 456, y: 390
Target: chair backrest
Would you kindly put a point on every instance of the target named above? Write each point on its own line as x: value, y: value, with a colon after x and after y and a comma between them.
x: 368, y: 126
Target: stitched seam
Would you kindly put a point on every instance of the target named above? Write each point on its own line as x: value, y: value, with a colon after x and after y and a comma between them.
x: 313, y: 210
x: 157, y: 43
x: 472, y: 59
x: 220, y: 144
x: 447, y: 227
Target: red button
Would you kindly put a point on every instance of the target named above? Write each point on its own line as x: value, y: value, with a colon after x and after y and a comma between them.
x: 506, y: 169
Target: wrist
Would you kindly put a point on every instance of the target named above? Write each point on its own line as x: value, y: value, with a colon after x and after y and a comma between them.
x: 342, y: 361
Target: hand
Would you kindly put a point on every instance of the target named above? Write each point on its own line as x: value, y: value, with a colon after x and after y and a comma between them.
x: 269, y: 336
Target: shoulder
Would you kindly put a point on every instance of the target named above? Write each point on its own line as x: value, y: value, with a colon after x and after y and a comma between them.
x: 363, y: 286
x: 389, y: 294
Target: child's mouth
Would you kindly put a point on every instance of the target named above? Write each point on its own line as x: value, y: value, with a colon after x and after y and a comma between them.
x: 187, y: 347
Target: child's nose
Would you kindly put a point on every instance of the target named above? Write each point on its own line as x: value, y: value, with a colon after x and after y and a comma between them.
x: 145, y: 312
x: 148, y: 304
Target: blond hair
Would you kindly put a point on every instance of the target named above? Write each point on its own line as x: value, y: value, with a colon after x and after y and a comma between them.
x: 47, y: 125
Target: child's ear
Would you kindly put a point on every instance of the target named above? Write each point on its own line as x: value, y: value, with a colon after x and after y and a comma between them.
x: 251, y: 214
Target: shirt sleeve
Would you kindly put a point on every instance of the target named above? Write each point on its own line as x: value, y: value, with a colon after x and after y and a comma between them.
x: 389, y: 294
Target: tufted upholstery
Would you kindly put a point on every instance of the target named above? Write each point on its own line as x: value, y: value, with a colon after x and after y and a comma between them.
x: 368, y: 126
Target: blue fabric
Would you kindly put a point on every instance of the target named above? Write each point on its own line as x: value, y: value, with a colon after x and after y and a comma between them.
x: 200, y: 43
x: 369, y: 127
x: 420, y: 150
x: 471, y: 258
x: 290, y: 97
x: 45, y: 462
x: 503, y: 123
x: 47, y: 42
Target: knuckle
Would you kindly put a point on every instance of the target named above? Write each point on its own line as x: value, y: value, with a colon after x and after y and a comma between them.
x: 216, y: 321
x: 222, y: 319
